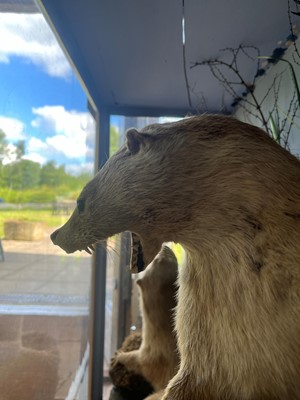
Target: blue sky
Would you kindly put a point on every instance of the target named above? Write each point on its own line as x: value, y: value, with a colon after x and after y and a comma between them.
x: 41, y: 100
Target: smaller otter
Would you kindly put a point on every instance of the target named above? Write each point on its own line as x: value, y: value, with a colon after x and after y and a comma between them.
x: 157, y: 358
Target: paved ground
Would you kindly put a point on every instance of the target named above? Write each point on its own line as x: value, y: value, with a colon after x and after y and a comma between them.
x: 43, y: 292
x: 42, y: 275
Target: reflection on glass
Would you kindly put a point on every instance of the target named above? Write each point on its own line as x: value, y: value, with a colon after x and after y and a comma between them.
x: 46, y: 156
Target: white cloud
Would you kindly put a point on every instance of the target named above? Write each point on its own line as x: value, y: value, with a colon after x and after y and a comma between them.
x: 36, y: 157
x: 35, y: 148
x: 67, y: 131
x: 11, y: 154
x: 13, y: 128
x: 60, y: 134
x: 4, y: 59
x: 29, y: 36
x: 36, y: 145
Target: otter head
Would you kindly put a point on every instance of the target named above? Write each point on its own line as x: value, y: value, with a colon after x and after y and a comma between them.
x: 160, y: 273
x: 158, y: 286
x: 134, y: 191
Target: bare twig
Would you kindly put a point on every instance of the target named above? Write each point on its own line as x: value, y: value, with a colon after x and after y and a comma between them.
x: 292, y: 31
x: 276, y: 123
x: 184, y: 57
x: 233, y: 67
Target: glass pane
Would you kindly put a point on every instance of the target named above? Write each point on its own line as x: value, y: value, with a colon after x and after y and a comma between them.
x: 46, y: 156
x: 122, y: 304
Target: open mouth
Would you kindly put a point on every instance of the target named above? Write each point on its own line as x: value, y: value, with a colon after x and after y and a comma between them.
x: 89, y: 249
x: 137, y: 263
x: 69, y: 249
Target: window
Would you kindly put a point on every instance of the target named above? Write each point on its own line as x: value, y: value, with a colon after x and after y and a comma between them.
x: 47, y: 142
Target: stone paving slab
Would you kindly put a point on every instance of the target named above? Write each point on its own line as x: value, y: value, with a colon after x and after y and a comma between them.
x: 48, y: 292
x: 39, y: 273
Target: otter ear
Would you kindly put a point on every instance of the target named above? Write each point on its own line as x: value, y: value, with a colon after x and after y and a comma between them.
x: 139, y: 282
x: 134, y: 140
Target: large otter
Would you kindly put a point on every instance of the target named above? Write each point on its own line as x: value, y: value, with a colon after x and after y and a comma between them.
x: 231, y: 196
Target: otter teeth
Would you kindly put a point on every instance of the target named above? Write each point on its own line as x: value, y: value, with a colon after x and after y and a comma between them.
x: 88, y: 250
x: 92, y: 247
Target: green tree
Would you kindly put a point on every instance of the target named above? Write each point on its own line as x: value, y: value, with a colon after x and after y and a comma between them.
x: 31, y: 172
x: 114, y: 140
x: 51, y: 175
x: 3, y: 145
x: 22, y: 174
x: 11, y: 176
x: 20, y: 149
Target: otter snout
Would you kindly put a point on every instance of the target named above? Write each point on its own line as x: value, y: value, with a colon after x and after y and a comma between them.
x: 53, y: 235
x: 57, y: 240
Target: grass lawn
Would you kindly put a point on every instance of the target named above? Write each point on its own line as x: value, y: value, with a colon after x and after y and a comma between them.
x: 32, y: 216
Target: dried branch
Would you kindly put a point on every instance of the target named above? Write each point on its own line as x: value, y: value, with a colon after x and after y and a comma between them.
x: 215, y: 66
x: 292, y: 35
x: 184, y: 56
x: 277, y: 123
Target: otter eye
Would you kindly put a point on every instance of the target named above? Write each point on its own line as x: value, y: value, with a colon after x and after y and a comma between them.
x: 80, y: 205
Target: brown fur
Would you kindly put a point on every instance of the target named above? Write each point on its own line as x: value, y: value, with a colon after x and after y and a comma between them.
x: 132, y: 342
x: 231, y: 196
x: 156, y: 359
x: 129, y: 383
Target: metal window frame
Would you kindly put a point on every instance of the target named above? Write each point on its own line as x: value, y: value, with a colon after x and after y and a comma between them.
x: 98, y: 292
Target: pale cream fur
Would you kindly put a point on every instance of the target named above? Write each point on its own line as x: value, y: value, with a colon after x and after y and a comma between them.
x: 231, y: 196
x: 157, y: 359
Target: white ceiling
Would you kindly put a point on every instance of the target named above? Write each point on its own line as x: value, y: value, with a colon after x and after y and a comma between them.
x: 129, y: 53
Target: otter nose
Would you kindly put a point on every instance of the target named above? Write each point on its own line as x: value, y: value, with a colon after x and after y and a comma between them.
x: 53, y: 235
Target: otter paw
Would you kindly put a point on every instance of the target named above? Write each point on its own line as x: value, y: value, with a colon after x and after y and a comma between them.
x: 124, y: 378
